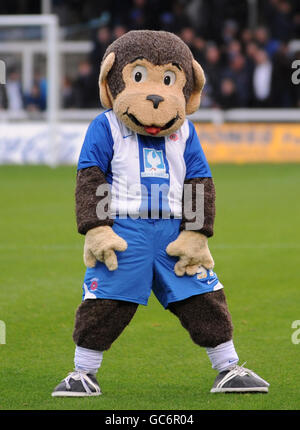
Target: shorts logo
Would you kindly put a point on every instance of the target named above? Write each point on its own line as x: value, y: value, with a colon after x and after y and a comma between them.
x: 94, y: 284
x: 210, y: 282
x: 201, y: 273
x: 154, y: 164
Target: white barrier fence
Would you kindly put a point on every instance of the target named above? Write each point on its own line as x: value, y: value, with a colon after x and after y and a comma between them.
x: 215, y: 116
x: 28, y: 143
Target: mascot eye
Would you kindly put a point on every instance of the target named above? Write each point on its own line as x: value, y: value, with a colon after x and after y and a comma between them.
x: 139, y: 74
x: 169, y: 78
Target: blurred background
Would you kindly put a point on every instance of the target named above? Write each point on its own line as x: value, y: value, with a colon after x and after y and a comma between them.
x: 246, y: 48
x: 249, y: 128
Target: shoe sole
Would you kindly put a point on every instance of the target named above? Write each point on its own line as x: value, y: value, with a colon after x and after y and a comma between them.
x: 240, y: 390
x: 73, y: 394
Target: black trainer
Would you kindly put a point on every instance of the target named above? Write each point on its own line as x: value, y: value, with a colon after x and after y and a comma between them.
x: 238, y: 379
x: 78, y: 384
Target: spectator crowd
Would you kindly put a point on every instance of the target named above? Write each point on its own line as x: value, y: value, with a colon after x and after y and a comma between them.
x: 244, y: 66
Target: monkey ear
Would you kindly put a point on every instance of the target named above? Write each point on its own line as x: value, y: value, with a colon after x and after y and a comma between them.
x: 199, y: 81
x: 105, y: 96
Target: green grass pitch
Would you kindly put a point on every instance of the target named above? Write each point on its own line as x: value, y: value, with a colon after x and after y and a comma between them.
x: 153, y: 365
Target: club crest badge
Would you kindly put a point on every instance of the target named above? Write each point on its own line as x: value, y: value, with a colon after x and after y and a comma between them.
x: 154, y: 164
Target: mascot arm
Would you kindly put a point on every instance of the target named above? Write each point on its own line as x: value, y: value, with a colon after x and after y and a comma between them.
x: 209, y: 205
x: 101, y: 241
x: 87, y: 182
x: 191, y: 245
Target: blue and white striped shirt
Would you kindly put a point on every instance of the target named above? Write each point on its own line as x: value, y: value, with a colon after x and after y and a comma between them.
x: 140, y: 168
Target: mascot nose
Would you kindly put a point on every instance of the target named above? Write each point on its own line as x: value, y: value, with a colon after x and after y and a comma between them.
x: 155, y: 100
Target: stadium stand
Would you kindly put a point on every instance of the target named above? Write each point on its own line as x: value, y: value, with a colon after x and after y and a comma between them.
x: 245, y: 66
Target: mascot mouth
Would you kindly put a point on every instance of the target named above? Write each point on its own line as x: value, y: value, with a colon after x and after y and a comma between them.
x: 152, y: 129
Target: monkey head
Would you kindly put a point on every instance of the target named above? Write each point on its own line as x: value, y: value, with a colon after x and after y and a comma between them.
x: 151, y: 81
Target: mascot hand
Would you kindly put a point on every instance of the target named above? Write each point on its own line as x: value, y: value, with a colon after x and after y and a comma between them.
x: 101, y: 244
x: 192, y: 249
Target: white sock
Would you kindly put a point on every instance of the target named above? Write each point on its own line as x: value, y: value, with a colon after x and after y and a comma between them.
x: 223, y: 356
x: 88, y: 360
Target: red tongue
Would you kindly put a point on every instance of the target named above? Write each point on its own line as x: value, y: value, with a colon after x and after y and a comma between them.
x: 152, y: 130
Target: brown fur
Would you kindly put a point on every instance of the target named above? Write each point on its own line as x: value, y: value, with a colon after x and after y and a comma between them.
x: 156, y: 55
x: 209, y: 205
x: 134, y: 102
x: 87, y: 182
x: 158, y: 47
x: 206, y: 317
x: 99, y: 322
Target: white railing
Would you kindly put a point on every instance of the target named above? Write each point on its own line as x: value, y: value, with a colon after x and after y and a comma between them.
x: 215, y: 116
x: 50, y: 24
x: 29, y: 49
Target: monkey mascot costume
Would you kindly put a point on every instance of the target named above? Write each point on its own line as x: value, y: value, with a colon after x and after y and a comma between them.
x: 137, y: 204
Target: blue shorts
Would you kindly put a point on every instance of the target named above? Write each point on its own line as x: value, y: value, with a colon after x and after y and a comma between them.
x: 145, y: 266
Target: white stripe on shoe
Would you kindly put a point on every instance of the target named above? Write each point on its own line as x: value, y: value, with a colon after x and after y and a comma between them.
x: 86, y: 382
x: 241, y: 371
